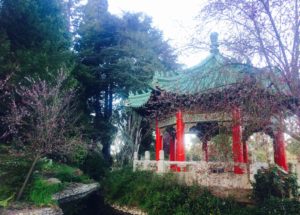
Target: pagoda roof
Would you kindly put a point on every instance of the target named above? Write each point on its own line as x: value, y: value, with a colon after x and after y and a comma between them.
x: 216, y: 72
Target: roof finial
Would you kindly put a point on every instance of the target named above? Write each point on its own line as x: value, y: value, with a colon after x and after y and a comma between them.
x: 214, y: 47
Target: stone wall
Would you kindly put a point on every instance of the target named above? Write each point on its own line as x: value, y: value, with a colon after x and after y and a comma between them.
x: 33, y: 211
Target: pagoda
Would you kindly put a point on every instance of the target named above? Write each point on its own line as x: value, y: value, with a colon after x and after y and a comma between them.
x: 219, y: 93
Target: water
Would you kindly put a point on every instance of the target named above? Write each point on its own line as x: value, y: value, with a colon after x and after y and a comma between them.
x: 91, y: 205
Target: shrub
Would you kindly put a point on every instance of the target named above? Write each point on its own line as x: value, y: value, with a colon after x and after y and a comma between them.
x: 277, y: 206
x: 78, y: 154
x: 64, y: 173
x: 158, y: 194
x: 273, y: 182
x: 95, y: 166
x: 13, y: 170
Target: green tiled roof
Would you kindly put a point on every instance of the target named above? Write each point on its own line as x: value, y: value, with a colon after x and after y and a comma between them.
x: 138, y: 99
x: 214, y: 73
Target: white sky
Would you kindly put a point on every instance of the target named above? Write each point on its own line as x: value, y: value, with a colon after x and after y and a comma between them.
x: 174, y: 17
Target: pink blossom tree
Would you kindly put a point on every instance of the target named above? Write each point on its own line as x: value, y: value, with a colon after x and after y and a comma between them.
x: 41, y: 119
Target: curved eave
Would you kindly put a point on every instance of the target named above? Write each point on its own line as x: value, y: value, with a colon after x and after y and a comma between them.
x: 137, y: 100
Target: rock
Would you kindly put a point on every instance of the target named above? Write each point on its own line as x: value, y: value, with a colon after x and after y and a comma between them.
x: 78, y: 172
x: 33, y: 211
x: 53, y: 181
x: 129, y: 210
x: 75, y: 191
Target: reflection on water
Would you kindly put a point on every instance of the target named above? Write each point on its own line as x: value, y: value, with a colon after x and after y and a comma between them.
x: 91, y: 205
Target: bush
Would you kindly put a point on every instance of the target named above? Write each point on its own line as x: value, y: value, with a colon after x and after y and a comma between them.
x: 78, y: 154
x: 95, y: 166
x: 64, y: 173
x: 157, y: 194
x: 277, y: 206
x: 273, y: 182
x: 13, y: 170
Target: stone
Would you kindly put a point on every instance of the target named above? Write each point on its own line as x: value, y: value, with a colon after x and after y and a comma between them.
x: 75, y: 191
x: 33, y: 211
x: 78, y: 172
x: 53, y: 181
x: 129, y: 210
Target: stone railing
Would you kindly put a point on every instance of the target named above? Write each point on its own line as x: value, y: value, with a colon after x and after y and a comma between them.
x: 201, y: 172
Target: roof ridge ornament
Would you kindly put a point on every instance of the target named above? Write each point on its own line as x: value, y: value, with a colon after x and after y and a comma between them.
x: 214, y: 46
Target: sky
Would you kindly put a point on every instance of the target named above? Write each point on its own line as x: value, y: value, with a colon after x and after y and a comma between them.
x: 175, y: 18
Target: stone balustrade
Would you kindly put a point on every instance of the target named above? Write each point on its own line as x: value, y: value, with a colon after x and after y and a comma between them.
x: 201, y: 172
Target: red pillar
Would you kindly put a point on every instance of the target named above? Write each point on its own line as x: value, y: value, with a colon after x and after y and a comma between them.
x: 279, y: 150
x: 237, y: 146
x: 245, y: 152
x: 180, y: 155
x: 158, y: 141
x: 205, y: 150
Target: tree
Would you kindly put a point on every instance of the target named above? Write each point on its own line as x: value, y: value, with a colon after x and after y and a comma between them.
x: 36, y: 38
x: 34, y: 42
x: 134, y: 132
x: 116, y: 55
x: 265, y: 32
x: 41, y: 119
x: 5, y: 91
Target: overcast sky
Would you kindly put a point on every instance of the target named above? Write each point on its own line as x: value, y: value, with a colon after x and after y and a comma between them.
x: 174, y: 17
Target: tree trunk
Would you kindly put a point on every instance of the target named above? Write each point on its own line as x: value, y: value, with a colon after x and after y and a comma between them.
x: 28, y: 176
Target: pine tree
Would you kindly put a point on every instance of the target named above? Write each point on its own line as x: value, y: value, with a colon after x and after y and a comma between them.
x: 116, y: 55
x: 38, y: 37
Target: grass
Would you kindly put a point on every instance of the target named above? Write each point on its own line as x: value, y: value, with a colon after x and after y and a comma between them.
x: 64, y: 173
x: 157, y: 195
x: 13, y: 170
x: 41, y: 192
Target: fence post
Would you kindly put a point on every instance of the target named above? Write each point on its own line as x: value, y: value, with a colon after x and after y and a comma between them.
x: 147, y: 159
x: 135, y: 159
x: 160, y: 164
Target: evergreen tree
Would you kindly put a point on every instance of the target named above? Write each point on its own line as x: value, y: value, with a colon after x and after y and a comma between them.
x: 36, y: 35
x: 116, y: 55
x: 34, y: 42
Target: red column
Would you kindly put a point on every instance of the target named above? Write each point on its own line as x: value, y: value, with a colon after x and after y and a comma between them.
x: 158, y: 142
x: 279, y: 150
x: 180, y: 155
x: 245, y: 152
x: 237, y: 146
x: 205, y: 150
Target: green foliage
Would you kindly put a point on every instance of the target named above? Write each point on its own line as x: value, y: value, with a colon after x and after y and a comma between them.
x: 157, y: 194
x: 95, y: 166
x: 277, y: 206
x: 116, y: 55
x: 4, y: 203
x: 41, y: 192
x: 293, y: 147
x: 78, y: 155
x: 273, y: 182
x: 64, y: 173
x: 12, y: 174
x: 163, y: 195
x: 38, y: 37
x: 222, y: 143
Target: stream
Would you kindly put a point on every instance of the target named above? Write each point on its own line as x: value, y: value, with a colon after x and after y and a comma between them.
x: 91, y: 205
